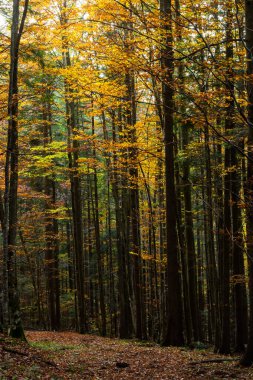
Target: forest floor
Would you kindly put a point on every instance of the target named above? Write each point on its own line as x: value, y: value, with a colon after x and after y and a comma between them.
x: 68, y: 355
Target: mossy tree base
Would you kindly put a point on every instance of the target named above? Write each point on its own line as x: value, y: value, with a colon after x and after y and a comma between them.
x: 17, y: 332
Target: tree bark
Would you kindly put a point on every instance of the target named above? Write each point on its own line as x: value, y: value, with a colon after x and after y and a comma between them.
x: 76, y: 203
x: 248, y: 357
x: 12, y: 316
x: 173, y: 334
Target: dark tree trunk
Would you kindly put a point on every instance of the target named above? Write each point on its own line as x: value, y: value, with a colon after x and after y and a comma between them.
x: 12, y: 317
x: 173, y: 334
x: 76, y: 200
x: 190, y: 243
x: 51, y: 233
x: 183, y: 257
x: 135, y: 244
x: 239, y: 285
x: 248, y: 357
x: 225, y: 253
x: 212, y: 276
x: 98, y: 246
x: 51, y: 258
x: 122, y: 229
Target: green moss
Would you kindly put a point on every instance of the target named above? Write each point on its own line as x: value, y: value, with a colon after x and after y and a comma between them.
x: 51, y: 346
x: 17, y: 332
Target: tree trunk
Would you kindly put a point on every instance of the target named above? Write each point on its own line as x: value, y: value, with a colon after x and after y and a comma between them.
x: 76, y: 202
x: 135, y: 244
x: 227, y: 229
x: 239, y: 285
x: 190, y: 243
x: 248, y: 357
x: 12, y: 317
x: 174, y: 320
x: 122, y: 229
x: 98, y: 245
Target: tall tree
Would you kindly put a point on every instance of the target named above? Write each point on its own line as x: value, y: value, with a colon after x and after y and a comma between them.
x: 72, y: 117
x: 173, y: 332
x: 226, y: 247
x: 248, y: 357
x: 12, y: 317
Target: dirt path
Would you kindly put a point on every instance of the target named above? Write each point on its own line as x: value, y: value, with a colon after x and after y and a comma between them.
x: 67, y: 355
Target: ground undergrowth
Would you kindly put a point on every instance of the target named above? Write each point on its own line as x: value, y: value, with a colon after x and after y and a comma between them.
x: 68, y: 355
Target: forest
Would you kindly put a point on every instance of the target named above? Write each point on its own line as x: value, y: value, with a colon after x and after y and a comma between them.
x: 126, y: 182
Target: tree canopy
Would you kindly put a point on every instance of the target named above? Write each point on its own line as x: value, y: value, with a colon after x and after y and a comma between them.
x: 127, y: 169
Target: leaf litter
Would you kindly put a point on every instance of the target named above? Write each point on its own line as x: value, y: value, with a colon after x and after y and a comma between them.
x: 69, y: 355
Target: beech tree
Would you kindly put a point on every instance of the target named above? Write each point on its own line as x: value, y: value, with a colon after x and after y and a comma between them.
x: 11, y: 307
x: 126, y: 159
x: 248, y: 357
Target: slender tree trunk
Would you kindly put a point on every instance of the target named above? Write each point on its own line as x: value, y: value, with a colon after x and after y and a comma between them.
x: 98, y: 246
x: 238, y: 270
x: 174, y: 319
x: 227, y: 230
x: 212, y: 276
x: 190, y: 243
x: 12, y: 317
x: 183, y: 257
x: 134, y: 208
x: 201, y: 281
x: 112, y: 296
x: 188, y: 215
x: 76, y: 202
x: 122, y: 227
x: 248, y: 357
x: 51, y: 234
x: 239, y: 285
